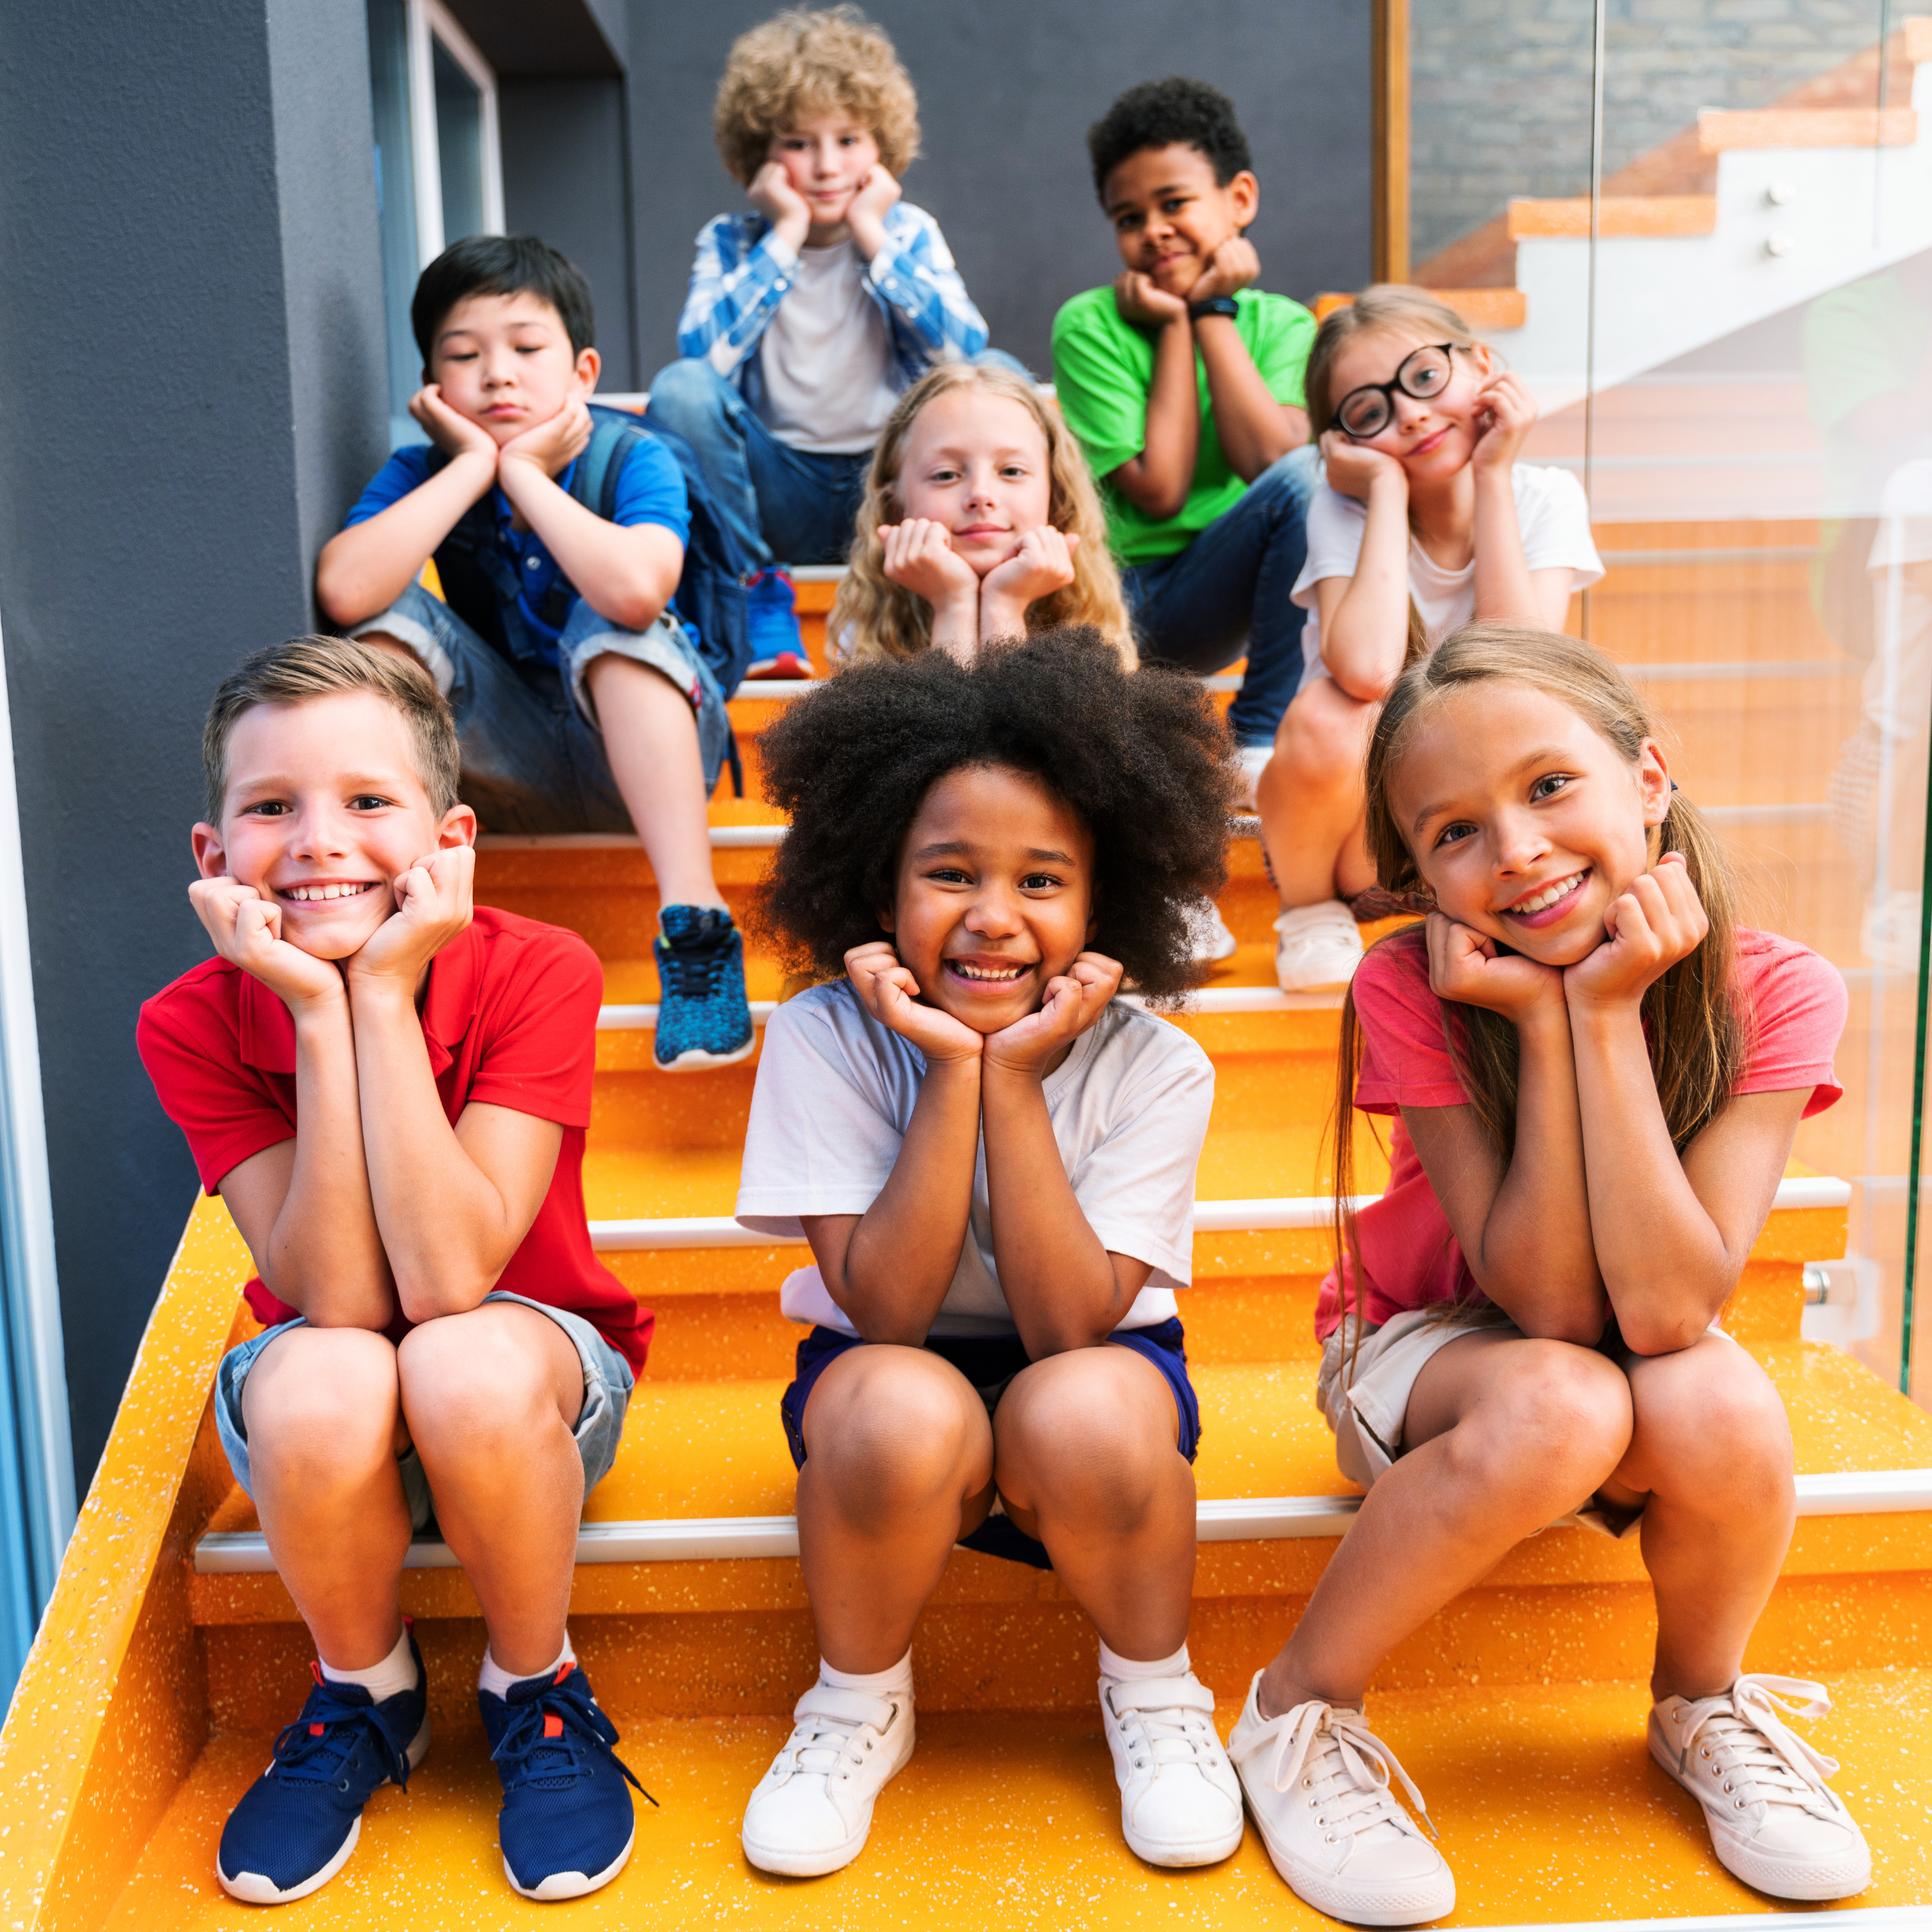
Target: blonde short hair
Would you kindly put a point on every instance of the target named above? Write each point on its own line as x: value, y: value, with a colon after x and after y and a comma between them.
x: 316, y: 666
x: 873, y: 617
x: 808, y: 61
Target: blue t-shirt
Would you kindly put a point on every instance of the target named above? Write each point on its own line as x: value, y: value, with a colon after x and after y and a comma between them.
x: 650, y: 490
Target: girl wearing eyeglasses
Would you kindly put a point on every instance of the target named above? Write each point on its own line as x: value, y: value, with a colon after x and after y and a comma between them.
x: 1426, y: 520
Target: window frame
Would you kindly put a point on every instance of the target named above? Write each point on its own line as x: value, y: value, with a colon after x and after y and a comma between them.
x: 431, y: 22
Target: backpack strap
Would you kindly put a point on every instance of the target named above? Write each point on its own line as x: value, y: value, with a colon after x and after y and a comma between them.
x: 614, y: 433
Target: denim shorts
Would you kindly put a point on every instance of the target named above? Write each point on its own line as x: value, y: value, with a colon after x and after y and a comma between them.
x: 990, y: 1362
x: 533, y: 757
x: 607, y: 1381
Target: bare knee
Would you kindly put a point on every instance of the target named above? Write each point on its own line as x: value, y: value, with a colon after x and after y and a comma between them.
x: 1709, y: 1419
x: 894, y: 1427
x: 1322, y: 735
x: 467, y: 1380
x: 383, y: 641
x: 1560, y: 1419
x: 1087, y: 1435
x: 320, y: 1406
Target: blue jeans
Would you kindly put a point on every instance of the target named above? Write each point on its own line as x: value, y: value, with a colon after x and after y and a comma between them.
x: 533, y: 757
x: 784, y: 506
x: 1228, y: 592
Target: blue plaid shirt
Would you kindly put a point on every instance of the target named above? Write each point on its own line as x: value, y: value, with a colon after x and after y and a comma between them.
x: 743, y: 270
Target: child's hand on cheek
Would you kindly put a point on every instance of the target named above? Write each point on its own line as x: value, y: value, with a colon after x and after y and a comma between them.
x: 919, y: 557
x: 866, y: 213
x: 1232, y: 266
x: 433, y: 906
x: 1140, y: 299
x: 1466, y: 967
x: 554, y: 444
x: 1510, y: 411
x: 773, y: 196
x: 1658, y: 922
x: 1043, y: 564
x: 454, y: 435
x: 890, y: 993
x: 1354, y: 469
x: 246, y: 926
x: 1075, y: 1000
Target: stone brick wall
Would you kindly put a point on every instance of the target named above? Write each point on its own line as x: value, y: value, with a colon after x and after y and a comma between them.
x: 1500, y: 89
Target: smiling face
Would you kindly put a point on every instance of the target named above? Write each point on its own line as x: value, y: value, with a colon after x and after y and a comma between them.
x: 1170, y: 213
x: 825, y: 158
x: 1432, y: 439
x: 977, y: 463
x: 994, y: 895
x: 506, y: 361
x: 1525, y: 823
x: 324, y: 811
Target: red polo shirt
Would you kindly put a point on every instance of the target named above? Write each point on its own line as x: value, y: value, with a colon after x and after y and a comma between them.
x: 510, y: 1019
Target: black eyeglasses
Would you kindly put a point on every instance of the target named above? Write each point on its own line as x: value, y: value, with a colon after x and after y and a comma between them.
x: 1424, y: 373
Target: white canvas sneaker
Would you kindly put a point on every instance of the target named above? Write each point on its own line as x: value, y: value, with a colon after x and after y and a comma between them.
x: 1253, y: 760
x: 1206, y: 933
x: 1317, y: 1780
x: 1180, y: 1803
x: 1315, y: 946
x: 812, y: 1809
x: 1773, y: 1822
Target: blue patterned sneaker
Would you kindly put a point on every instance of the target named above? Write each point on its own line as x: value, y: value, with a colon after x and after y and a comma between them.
x: 704, y: 1019
x: 566, y: 1825
x: 297, y: 1822
x: 771, y: 619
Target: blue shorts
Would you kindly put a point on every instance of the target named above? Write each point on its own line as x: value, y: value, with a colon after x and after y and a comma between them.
x: 533, y: 756
x: 990, y: 1362
x: 600, y: 1422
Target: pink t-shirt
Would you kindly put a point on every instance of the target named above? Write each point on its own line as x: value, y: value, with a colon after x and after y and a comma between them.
x: 1796, y: 1004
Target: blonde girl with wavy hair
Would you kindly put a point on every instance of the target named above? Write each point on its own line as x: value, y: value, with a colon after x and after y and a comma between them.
x: 1427, y: 520
x: 980, y: 520
x: 1596, y: 1074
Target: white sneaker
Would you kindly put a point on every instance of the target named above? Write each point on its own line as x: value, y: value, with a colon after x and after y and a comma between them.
x: 1773, y: 1822
x: 1253, y: 760
x: 1317, y: 1780
x: 1209, y: 937
x: 1316, y: 946
x: 812, y: 1809
x: 1180, y: 1803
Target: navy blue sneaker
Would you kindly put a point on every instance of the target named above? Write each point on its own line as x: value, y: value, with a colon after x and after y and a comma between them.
x: 771, y: 622
x: 297, y: 1822
x: 703, y: 1018
x: 566, y: 1825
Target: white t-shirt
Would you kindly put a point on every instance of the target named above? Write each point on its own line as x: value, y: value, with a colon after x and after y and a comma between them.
x: 834, y: 1094
x: 1551, y: 512
x: 828, y: 356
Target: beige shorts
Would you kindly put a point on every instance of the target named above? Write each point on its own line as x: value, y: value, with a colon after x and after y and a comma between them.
x: 1368, y: 1416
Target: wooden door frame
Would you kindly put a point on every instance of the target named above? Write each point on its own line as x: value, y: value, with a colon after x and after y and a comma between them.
x: 1391, y: 188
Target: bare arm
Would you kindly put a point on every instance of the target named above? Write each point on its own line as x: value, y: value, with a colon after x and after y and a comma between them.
x: 1156, y: 481
x: 1504, y: 588
x: 1520, y: 1225
x: 1255, y: 430
x: 1364, y: 618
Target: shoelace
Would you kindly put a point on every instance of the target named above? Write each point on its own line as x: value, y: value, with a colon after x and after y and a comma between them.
x: 1347, y: 1769
x: 819, y: 1745
x: 1761, y: 1760
x: 694, y: 968
x: 316, y: 1747
x: 547, y: 1739
x: 1172, y: 1734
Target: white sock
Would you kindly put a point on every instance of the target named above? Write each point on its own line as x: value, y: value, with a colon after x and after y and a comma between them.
x: 495, y: 1679
x: 895, y: 1681
x: 1126, y: 1670
x: 395, y: 1674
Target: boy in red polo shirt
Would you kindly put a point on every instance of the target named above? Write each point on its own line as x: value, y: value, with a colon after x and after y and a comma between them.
x: 390, y: 1089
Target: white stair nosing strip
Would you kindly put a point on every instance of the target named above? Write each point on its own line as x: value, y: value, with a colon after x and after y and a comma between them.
x: 1844, y: 1918
x: 1796, y: 1193
x: 1211, y: 1001
x: 776, y: 689
x: 1217, y: 1519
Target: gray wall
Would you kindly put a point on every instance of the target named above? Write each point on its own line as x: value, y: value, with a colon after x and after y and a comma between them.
x: 1007, y: 90
x: 193, y: 380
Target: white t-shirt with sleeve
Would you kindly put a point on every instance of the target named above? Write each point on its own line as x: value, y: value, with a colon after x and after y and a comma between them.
x: 827, y: 357
x: 835, y: 1095
x: 1551, y: 512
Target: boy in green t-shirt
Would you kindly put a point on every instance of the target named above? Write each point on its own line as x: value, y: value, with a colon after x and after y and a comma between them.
x: 1182, y: 384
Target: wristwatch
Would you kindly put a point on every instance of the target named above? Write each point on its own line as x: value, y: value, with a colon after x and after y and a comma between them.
x: 1214, y: 305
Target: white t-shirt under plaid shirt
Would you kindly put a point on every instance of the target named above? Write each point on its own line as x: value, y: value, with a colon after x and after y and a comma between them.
x: 835, y: 1096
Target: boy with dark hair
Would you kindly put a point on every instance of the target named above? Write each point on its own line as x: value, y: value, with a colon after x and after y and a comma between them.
x: 390, y: 1088
x: 812, y: 312
x: 1182, y: 383
x: 583, y: 701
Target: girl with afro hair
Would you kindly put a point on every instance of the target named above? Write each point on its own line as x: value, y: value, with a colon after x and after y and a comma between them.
x: 993, y: 1159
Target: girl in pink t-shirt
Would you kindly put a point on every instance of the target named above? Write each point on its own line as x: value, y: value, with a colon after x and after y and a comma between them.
x: 1597, y: 1074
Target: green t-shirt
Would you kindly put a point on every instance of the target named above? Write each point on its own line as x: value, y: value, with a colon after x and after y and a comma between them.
x: 1103, y: 370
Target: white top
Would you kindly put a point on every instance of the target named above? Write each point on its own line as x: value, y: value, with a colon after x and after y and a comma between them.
x: 1551, y: 512
x: 834, y: 1098
x: 828, y: 356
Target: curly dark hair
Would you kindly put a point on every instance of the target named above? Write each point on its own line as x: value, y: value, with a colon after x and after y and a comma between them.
x: 1173, y: 112
x: 1140, y: 758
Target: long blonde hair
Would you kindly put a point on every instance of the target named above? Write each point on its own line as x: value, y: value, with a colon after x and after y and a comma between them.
x: 1697, y: 1033
x: 1382, y: 305
x: 872, y: 617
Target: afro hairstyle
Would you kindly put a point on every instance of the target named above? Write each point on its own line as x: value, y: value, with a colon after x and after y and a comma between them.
x: 1140, y: 758
x: 1176, y: 112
